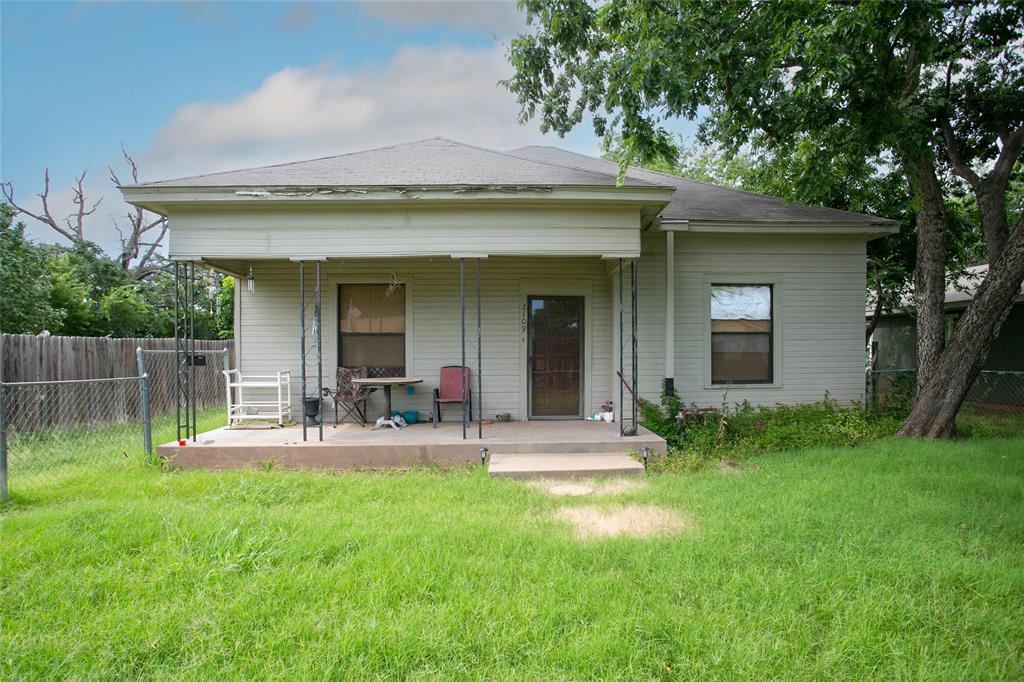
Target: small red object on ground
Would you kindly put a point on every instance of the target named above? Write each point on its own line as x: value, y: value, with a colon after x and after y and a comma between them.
x: 181, y: 443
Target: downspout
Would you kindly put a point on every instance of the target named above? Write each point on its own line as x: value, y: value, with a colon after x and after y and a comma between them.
x: 670, y: 312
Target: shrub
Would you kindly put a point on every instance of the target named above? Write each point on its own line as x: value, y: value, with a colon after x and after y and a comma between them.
x: 742, y: 430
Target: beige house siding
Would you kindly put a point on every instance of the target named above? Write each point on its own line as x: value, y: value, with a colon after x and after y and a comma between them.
x: 819, y: 302
x: 279, y: 232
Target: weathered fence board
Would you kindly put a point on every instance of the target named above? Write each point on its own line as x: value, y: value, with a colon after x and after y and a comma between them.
x: 58, y: 358
x: 63, y: 358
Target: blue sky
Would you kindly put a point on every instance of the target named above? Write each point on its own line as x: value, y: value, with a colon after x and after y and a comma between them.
x: 197, y: 86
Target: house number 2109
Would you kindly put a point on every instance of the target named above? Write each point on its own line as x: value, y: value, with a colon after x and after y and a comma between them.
x: 523, y: 319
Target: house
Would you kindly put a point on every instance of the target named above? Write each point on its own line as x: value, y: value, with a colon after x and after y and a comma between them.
x: 894, y: 340
x: 737, y: 296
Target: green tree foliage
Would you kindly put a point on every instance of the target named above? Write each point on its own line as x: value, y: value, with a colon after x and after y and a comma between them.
x: 82, y: 291
x: 224, y: 309
x: 875, y: 187
x: 126, y: 311
x: 24, y: 280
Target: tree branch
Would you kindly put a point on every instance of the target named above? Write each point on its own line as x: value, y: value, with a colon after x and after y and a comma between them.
x: 132, y: 237
x: 1008, y: 156
x: 143, y: 269
x: 45, y: 217
x: 79, y: 199
x: 956, y: 160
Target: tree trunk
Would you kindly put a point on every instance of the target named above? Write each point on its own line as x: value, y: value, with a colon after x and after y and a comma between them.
x: 992, y: 206
x: 939, y: 400
x: 876, y: 315
x: 930, y: 278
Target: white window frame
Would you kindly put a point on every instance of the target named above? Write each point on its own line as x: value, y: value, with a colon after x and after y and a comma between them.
x: 776, y: 281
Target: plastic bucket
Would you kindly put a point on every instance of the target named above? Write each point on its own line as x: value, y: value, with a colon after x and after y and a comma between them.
x: 411, y: 416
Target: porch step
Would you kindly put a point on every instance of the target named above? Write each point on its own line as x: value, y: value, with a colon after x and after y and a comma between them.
x: 563, y: 465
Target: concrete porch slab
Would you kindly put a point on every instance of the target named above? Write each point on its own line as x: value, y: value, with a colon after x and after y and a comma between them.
x: 564, y: 465
x: 350, y: 446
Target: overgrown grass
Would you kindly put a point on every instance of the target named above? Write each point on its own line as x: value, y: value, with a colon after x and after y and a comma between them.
x: 892, y: 560
x: 737, y: 432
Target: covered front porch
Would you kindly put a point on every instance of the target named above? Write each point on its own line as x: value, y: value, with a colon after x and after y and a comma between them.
x: 350, y: 446
x: 543, y: 337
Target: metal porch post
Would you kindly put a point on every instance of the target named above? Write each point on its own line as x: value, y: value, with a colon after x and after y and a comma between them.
x: 184, y: 348
x: 302, y: 341
x: 633, y: 282
x: 309, y: 314
x: 319, y: 358
x: 622, y: 365
x: 192, y: 348
x: 462, y: 299
x: 479, y: 362
x: 177, y: 353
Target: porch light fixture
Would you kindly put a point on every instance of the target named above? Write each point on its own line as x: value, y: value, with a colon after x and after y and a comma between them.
x: 250, y: 281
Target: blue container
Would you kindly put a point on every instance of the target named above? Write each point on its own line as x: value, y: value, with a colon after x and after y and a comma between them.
x: 411, y: 416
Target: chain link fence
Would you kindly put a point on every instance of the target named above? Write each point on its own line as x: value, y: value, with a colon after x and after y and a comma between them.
x: 52, y: 427
x: 993, y: 393
x: 162, y: 368
x: 50, y: 430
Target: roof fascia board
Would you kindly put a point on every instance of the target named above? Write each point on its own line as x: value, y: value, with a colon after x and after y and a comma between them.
x: 838, y: 228
x: 162, y: 201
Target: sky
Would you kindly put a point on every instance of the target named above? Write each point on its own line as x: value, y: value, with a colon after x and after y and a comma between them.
x: 200, y: 86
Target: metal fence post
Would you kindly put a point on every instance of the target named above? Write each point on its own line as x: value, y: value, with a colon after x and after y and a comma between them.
x: 147, y: 423
x: 3, y: 446
x: 3, y: 429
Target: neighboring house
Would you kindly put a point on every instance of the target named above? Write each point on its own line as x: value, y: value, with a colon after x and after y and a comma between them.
x: 894, y: 341
x: 739, y: 296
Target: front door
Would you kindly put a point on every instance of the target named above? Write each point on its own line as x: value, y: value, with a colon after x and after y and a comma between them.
x: 555, y: 359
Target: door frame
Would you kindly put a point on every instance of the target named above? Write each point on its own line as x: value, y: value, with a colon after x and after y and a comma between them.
x: 580, y: 345
x: 582, y: 288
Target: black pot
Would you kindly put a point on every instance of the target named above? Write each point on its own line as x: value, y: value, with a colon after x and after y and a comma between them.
x: 312, y: 411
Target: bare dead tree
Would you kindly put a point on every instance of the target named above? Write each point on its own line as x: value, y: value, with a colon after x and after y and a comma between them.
x: 73, y: 226
x: 143, y: 234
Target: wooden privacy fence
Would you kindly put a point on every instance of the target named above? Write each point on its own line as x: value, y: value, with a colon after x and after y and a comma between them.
x: 85, y: 359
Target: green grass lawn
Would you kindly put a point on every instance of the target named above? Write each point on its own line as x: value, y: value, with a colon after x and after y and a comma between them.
x: 893, y: 560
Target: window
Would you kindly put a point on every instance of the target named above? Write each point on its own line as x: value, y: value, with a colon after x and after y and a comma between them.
x: 741, y: 334
x: 371, y: 328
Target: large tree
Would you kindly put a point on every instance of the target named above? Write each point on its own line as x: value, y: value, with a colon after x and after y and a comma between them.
x: 925, y: 86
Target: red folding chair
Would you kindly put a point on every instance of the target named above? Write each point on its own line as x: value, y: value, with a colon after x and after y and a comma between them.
x: 454, y: 388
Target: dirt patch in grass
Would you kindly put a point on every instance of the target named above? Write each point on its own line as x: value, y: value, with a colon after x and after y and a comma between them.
x: 729, y: 466
x: 589, y: 487
x: 566, y: 489
x: 631, y: 520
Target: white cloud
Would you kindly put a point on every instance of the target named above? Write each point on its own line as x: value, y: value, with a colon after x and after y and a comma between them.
x: 306, y: 113
x: 498, y: 17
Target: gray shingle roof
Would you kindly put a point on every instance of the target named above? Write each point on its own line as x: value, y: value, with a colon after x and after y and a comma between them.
x: 425, y: 163
x: 698, y: 201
